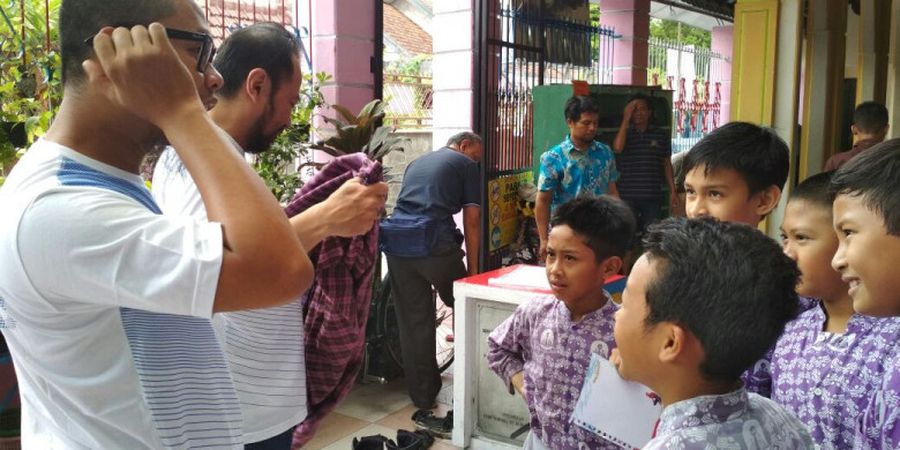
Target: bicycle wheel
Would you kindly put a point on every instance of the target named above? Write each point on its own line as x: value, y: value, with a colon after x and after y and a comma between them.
x: 391, y: 332
x: 444, y: 337
x: 387, y: 323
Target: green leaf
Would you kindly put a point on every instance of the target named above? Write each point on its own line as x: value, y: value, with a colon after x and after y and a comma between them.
x: 367, y: 110
x: 336, y: 122
x: 348, y: 116
x: 380, y: 135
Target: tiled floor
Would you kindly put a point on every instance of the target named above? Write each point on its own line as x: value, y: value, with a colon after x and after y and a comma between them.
x: 376, y: 409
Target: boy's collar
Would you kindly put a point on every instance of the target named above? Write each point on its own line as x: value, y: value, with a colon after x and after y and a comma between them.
x: 715, y: 408
x: 607, y: 304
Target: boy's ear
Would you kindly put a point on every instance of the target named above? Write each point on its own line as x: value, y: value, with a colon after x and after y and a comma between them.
x: 854, y: 130
x: 674, y: 343
x: 611, y: 266
x: 767, y: 200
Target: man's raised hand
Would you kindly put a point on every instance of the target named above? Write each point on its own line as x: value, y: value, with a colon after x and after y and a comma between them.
x: 139, y: 69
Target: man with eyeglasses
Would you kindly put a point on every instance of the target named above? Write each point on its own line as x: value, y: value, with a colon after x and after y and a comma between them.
x: 260, y: 65
x: 105, y: 303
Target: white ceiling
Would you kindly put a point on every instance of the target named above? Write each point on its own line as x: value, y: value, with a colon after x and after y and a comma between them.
x: 665, y: 11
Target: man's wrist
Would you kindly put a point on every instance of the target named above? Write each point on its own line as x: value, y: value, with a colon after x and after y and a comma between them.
x: 309, y: 227
x: 184, y: 116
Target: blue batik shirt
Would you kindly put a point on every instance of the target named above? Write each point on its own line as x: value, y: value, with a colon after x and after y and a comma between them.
x: 569, y: 172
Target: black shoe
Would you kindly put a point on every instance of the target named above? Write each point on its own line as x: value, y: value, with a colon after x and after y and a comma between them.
x: 371, y: 442
x: 441, y: 427
x: 411, y: 440
x: 421, y: 415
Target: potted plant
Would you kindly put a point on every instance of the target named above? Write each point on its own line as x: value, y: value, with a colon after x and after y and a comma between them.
x: 361, y: 132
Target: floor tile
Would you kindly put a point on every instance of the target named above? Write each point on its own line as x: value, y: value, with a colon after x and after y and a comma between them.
x: 375, y: 408
x: 373, y: 402
x: 403, y: 419
x: 334, y: 427
x: 441, y: 444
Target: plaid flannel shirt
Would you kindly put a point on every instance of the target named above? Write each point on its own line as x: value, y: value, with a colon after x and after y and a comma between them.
x: 337, y: 305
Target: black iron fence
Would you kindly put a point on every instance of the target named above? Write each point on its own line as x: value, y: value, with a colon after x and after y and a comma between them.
x: 521, y: 44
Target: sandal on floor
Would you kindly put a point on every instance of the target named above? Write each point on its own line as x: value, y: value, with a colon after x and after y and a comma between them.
x: 411, y: 440
x: 375, y: 442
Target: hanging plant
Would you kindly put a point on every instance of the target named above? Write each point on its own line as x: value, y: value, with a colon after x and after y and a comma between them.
x: 30, y: 88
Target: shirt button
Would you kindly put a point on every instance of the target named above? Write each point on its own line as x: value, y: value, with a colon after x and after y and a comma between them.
x: 817, y: 391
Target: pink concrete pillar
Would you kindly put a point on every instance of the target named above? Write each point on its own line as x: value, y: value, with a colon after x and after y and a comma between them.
x: 722, y: 44
x: 343, y: 34
x: 631, y: 19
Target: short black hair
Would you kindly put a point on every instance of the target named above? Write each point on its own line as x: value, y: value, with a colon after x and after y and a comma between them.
x: 268, y: 46
x: 815, y: 189
x: 606, y: 223
x: 642, y: 97
x: 81, y: 19
x: 580, y: 104
x: 870, y: 117
x: 873, y: 176
x: 728, y: 284
x: 756, y: 153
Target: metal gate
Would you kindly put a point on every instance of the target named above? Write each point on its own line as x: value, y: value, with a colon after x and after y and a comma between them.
x: 696, y: 75
x: 521, y: 44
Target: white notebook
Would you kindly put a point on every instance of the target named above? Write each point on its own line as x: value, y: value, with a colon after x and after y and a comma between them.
x: 620, y: 411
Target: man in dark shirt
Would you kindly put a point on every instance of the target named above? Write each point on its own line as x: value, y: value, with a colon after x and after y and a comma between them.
x: 436, y: 186
x: 870, y: 126
x: 643, y: 156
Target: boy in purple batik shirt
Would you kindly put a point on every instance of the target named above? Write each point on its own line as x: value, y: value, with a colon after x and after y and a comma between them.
x: 704, y: 302
x: 829, y: 361
x: 544, y: 349
x: 737, y: 174
x: 866, y: 218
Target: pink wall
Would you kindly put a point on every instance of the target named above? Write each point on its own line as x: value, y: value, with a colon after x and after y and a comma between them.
x: 631, y: 19
x: 722, y: 38
x: 343, y: 36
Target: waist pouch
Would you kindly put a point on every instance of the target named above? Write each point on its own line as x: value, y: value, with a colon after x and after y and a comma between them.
x: 408, y: 236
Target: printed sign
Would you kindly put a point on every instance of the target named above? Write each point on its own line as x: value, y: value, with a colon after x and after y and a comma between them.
x: 503, y: 218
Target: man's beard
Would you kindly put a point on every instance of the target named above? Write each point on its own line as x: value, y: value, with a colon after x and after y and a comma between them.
x: 258, y: 140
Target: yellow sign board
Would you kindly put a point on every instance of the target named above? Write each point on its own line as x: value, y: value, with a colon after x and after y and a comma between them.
x: 503, y: 219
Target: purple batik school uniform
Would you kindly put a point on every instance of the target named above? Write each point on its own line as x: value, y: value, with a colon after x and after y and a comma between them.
x: 827, y: 379
x: 737, y: 420
x: 554, y: 352
x: 758, y: 379
x: 880, y: 422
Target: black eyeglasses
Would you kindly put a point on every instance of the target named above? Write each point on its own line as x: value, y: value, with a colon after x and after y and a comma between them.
x: 207, y: 48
